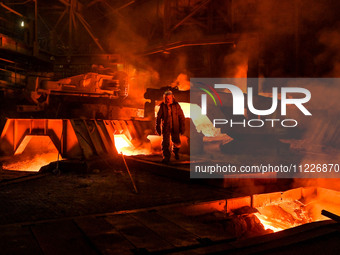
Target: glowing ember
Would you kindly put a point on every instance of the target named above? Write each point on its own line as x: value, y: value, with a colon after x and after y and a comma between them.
x: 32, y: 164
x: 280, y: 216
x: 267, y: 223
x: 279, y: 211
x: 123, y: 145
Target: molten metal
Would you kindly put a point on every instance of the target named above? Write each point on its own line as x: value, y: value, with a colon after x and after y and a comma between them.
x: 291, y: 212
x: 37, y: 152
x: 124, y: 145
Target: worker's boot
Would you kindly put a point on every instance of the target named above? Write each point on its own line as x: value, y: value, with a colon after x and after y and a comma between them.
x: 176, y: 151
x: 166, y: 160
x: 166, y: 155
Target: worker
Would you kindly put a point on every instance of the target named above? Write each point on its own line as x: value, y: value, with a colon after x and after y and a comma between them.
x: 170, y: 122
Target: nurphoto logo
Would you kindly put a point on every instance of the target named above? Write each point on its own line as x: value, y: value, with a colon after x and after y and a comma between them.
x: 239, y: 105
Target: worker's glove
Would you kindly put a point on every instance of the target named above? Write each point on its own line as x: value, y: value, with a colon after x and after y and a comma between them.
x: 158, y: 130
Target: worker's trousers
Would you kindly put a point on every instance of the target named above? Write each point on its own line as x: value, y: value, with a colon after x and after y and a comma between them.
x: 166, y: 143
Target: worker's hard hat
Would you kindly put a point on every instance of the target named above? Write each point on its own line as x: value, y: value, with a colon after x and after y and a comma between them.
x: 167, y: 92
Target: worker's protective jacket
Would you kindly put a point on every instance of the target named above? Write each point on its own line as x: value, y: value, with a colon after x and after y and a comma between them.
x: 178, y: 119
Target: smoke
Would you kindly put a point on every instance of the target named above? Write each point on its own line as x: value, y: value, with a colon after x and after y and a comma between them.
x: 311, y: 29
x: 273, y: 30
x: 330, y: 39
x: 124, y: 39
x: 294, y: 38
x: 328, y: 183
x: 125, y: 36
x: 249, y: 186
x: 182, y: 82
x: 236, y: 63
x: 322, y: 38
x: 320, y: 143
x: 135, y: 37
x: 140, y: 78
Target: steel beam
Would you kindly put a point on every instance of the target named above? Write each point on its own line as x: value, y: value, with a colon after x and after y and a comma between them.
x: 11, y: 10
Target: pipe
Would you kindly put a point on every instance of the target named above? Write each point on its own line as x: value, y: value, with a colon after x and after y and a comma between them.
x: 128, y: 170
x: 331, y: 215
x: 181, y: 44
x: 11, y: 10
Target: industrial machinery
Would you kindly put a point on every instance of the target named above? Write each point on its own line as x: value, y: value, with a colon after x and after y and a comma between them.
x: 90, y: 85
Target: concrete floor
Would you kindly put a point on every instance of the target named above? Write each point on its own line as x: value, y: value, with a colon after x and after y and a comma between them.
x: 81, y: 213
x: 110, y: 190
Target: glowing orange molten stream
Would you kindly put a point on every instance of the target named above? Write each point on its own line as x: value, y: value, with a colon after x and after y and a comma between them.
x: 122, y: 142
x: 123, y: 145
